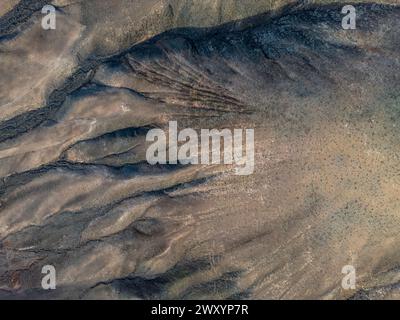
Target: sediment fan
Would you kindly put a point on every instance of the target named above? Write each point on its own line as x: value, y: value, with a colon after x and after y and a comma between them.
x: 77, y: 192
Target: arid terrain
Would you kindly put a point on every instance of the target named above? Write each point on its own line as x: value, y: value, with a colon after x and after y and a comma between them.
x: 76, y: 189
